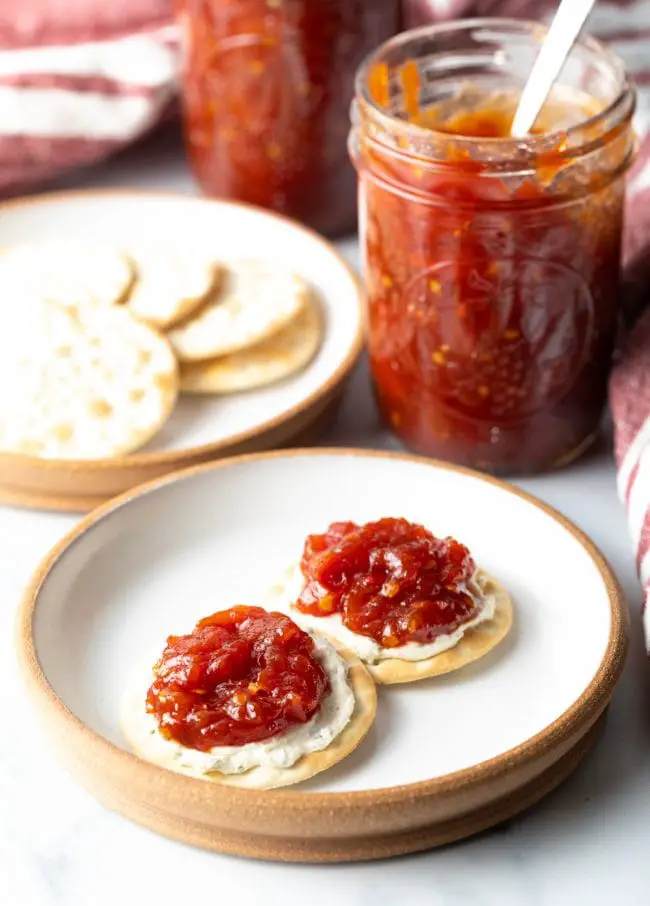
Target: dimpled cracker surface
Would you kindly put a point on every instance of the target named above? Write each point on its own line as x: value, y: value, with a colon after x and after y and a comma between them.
x: 256, y: 300
x: 171, y: 284
x: 67, y: 270
x: 87, y: 382
x: 272, y: 360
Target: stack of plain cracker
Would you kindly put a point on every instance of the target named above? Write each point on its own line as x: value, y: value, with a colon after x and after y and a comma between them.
x: 97, y: 342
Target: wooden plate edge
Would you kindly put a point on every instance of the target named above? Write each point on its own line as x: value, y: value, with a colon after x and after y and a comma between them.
x: 58, y: 481
x: 389, y: 809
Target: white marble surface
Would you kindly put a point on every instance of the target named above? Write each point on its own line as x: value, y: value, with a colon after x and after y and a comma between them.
x: 586, y: 843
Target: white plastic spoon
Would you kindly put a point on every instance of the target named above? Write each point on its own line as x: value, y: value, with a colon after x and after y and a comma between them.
x: 560, y: 38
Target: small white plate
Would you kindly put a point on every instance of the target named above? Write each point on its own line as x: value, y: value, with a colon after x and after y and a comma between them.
x: 200, y: 427
x: 152, y: 564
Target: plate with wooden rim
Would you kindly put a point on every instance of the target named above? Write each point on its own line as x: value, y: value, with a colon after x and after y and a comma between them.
x: 447, y: 756
x: 201, y: 428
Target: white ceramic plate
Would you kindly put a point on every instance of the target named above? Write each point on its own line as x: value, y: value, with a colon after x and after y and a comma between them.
x: 152, y: 565
x: 205, y: 426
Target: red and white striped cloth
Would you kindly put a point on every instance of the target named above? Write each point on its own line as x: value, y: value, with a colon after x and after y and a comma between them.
x: 79, y: 79
x: 625, y: 26
x: 630, y: 403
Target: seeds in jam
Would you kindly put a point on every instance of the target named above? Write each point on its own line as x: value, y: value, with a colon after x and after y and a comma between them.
x: 267, y: 86
x: 390, y: 580
x: 492, y: 267
x: 242, y: 675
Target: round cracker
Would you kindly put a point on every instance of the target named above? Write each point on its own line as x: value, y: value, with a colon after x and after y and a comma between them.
x: 72, y: 271
x: 267, y: 777
x: 474, y: 644
x: 171, y: 284
x: 282, y: 355
x: 255, y: 301
x: 81, y: 382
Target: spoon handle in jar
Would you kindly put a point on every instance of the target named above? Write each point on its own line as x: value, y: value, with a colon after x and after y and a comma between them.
x: 560, y: 38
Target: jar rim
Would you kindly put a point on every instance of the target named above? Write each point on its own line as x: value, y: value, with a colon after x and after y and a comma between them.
x: 617, y: 111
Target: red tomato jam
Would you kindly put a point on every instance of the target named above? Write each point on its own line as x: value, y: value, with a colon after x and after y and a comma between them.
x: 267, y: 87
x: 241, y: 676
x: 390, y: 580
x: 491, y: 264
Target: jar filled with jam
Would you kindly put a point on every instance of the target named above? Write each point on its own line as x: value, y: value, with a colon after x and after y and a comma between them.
x: 491, y: 263
x: 266, y: 88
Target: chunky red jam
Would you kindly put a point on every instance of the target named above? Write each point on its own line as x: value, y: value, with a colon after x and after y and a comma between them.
x: 242, y: 675
x: 267, y: 86
x: 493, y: 294
x: 390, y: 580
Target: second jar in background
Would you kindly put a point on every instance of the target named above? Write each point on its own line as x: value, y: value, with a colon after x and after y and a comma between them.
x: 267, y: 86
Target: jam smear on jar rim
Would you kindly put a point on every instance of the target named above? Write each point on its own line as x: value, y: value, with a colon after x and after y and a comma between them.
x: 242, y: 675
x: 390, y: 580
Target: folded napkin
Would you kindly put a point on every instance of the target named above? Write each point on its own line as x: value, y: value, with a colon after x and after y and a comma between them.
x: 79, y: 79
x: 629, y: 394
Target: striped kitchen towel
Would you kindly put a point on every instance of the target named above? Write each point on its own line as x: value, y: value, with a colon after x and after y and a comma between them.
x: 630, y: 403
x: 79, y: 79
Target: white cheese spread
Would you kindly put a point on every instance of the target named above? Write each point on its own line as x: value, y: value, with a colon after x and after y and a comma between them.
x: 284, y: 595
x: 279, y: 751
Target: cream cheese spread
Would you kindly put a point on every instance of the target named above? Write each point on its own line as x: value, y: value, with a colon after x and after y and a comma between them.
x: 284, y: 595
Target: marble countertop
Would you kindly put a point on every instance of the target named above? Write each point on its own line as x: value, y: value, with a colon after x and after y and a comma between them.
x: 588, y: 842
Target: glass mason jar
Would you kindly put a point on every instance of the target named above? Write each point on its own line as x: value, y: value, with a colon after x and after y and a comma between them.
x: 491, y: 263
x: 266, y: 90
